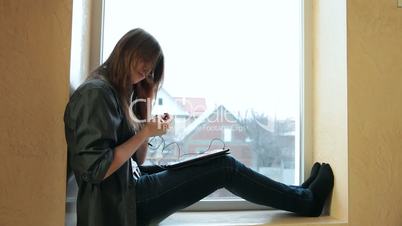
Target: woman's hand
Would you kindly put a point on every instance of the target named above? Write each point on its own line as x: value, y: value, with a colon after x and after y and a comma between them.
x: 167, y: 118
x: 158, y: 125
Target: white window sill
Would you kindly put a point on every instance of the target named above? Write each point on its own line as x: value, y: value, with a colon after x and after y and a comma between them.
x: 264, y: 217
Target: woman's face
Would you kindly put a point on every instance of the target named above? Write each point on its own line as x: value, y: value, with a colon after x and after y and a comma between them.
x: 142, y: 70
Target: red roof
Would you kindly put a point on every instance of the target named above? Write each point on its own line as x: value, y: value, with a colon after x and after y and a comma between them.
x: 195, y: 106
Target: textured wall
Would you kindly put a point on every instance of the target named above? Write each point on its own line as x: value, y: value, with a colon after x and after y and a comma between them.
x: 375, y: 112
x: 34, y: 65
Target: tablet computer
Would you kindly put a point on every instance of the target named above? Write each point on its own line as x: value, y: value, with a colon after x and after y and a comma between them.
x: 197, y: 158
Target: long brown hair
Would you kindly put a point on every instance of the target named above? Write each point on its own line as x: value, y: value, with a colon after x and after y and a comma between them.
x: 136, y: 45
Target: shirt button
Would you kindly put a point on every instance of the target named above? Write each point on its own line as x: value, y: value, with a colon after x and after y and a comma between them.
x: 85, y: 177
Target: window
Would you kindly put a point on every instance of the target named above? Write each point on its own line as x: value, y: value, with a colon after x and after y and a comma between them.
x: 232, y: 68
x: 227, y: 135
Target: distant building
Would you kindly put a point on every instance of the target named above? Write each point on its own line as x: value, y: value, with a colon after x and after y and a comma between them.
x: 214, y: 129
x: 166, y: 103
x: 196, y: 129
x: 195, y: 106
x: 274, y: 156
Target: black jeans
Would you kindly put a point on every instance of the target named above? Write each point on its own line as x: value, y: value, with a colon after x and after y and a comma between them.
x: 162, y: 193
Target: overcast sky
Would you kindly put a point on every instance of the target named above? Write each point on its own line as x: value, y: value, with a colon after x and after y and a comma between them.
x: 244, y: 54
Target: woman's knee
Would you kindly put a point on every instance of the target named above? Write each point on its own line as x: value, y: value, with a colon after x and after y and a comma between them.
x: 228, y: 159
x: 230, y: 163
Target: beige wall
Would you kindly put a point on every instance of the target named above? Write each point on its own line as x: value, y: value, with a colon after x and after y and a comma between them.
x: 34, y: 65
x: 375, y: 112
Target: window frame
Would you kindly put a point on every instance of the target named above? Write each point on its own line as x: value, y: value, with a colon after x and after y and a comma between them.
x: 303, y: 150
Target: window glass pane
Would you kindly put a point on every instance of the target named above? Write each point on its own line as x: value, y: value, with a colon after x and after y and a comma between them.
x: 227, y: 136
x: 232, y: 72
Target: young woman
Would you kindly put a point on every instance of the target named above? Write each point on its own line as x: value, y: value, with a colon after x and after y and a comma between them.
x: 104, y: 132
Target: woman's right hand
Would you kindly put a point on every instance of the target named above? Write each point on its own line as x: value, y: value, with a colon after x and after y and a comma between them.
x: 157, y: 126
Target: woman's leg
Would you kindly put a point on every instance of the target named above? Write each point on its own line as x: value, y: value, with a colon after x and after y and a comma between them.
x: 163, y: 193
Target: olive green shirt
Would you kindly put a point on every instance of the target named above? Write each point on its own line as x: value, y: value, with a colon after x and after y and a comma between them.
x: 94, y: 126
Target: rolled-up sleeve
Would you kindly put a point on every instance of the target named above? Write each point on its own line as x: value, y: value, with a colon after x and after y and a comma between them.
x: 93, y: 118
